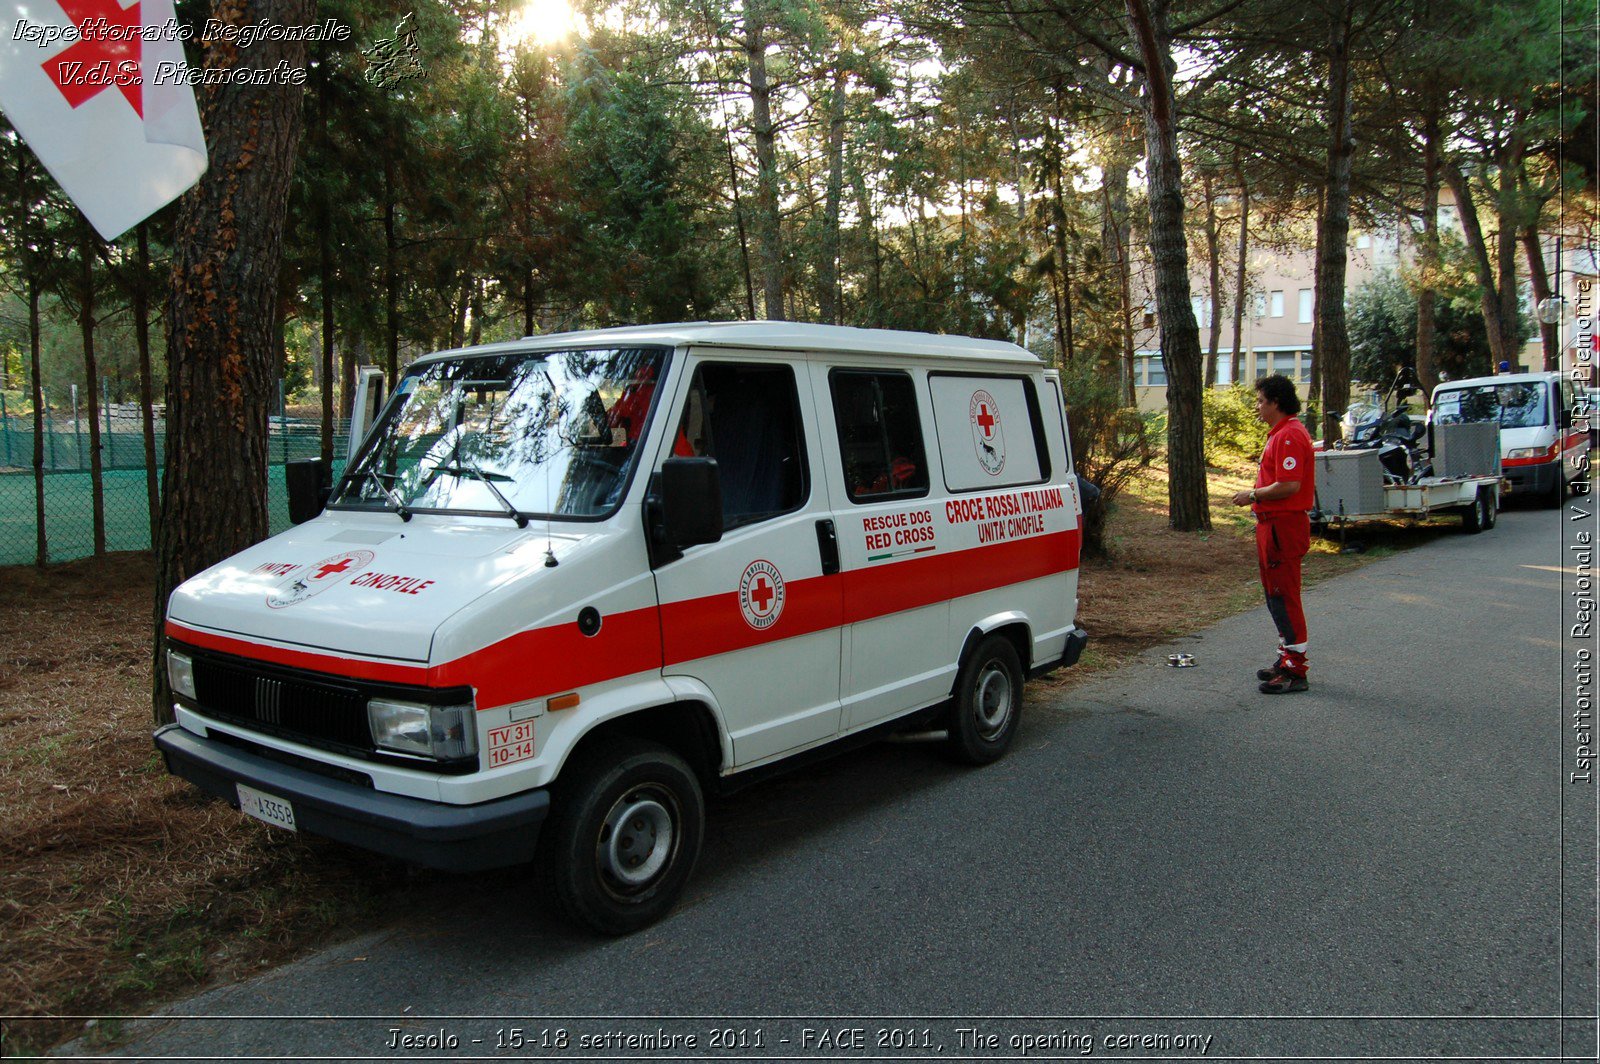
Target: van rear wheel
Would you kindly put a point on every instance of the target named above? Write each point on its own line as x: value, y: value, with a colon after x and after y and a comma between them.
x: 623, y: 836
x: 988, y: 703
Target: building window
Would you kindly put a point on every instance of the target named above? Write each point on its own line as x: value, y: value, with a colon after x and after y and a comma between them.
x: 1261, y: 304
x: 1150, y: 315
x: 1305, y: 306
x: 1224, y: 368
x: 1277, y: 304
x: 1363, y: 241
x: 1154, y: 372
x: 1282, y: 362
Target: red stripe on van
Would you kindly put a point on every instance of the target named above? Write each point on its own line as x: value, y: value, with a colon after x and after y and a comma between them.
x: 530, y: 664
x: 714, y: 624
x: 557, y: 658
x: 879, y: 590
x: 546, y: 661
x: 333, y: 664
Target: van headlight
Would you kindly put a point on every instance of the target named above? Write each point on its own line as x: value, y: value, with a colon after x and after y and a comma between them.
x: 1525, y: 452
x: 444, y: 733
x: 180, y: 674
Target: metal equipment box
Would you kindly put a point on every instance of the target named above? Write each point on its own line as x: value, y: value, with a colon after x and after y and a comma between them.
x: 1471, y: 450
x: 1349, y: 482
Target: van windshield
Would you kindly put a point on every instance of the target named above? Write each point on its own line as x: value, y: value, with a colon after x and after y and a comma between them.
x: 547, y: 434
x: 1514, y: 405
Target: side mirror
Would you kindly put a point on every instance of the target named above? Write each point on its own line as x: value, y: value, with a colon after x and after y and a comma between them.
x: 691, y: 501
x: 310, y: 481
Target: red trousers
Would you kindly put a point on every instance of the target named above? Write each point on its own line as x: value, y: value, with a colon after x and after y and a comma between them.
x: 1282, y: 540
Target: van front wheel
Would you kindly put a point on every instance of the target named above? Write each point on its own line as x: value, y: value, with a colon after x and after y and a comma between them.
x: 988, y: 703
x: 623, y: 835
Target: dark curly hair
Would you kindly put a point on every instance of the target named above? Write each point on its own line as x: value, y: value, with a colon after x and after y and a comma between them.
x: 1279, y: 389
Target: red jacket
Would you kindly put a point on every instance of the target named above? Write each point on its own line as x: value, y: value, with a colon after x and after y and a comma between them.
x: 1288, y: 456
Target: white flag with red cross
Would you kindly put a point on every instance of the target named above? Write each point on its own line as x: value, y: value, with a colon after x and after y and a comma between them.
x: 102, y: 95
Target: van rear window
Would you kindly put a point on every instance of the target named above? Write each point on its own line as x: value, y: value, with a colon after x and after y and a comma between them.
x: 989, y: 431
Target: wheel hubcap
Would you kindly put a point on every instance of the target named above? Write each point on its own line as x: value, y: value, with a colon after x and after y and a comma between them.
x: 637, y: 838
x: 992, y: 700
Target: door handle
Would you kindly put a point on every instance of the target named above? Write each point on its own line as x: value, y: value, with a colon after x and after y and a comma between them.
x: 828, y: 547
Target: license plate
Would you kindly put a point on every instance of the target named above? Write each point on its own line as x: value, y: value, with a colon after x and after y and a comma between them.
x: 267, y: 807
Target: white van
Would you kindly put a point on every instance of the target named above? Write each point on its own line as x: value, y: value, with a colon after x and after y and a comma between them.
x: 568, y: 583
x: 1541, y: 451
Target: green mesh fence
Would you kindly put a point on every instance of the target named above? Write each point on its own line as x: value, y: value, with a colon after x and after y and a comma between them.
x: 68, y: 492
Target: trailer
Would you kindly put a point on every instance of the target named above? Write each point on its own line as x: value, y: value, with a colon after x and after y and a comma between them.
x: 1354, y: 485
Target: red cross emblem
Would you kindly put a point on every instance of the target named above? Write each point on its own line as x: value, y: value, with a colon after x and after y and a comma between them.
x: 985, y: 420
x: 317, y: 577
x: 337, y: 567
x: 101, y: 57
x: 762, y: 593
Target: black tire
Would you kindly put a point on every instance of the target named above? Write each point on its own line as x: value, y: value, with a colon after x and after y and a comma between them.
x: 988, y: 703
x: 1476, y: 516
x: 623, y: 803
x: 1492, y: 502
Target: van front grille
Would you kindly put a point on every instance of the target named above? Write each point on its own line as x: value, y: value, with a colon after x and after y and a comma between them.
x: 283, y: 702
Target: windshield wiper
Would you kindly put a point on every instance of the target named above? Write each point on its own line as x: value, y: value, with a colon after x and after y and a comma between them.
x: 466, y: 468
x: 394, y: 500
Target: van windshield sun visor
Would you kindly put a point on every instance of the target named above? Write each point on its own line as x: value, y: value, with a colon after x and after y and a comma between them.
x: 545, y: 434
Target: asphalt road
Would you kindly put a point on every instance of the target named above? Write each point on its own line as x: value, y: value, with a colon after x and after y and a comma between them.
x: 1373, y: 868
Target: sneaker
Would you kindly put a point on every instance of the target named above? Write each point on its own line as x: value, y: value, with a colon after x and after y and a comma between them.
x: 1270, y: 673
x: 1284, y: 683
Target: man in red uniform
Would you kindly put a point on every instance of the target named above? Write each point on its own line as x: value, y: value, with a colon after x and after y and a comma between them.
x: 1281, y: 497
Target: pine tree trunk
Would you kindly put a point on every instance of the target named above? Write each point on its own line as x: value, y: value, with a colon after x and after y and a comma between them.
x: 1428, y: 254
x: 868, y: 234
x: 347, y: 375
x: 1241, y: 277
x: 1187, y: 497
x: 226, y: 252
x: 475, y: 333
x: 738, y: 218
x: 325, y: 284
x: 1115, y: 235
x: 1332, y: 337
x: 1069, y: 347
x: 1506, y: 211
x: 768, y: 234
x: 1478, y: 249
x: 91, y: 369
x: 41, y: 553
x: 1540, y: 278
x: 391, y: 276
x: 1214, y: 261
x: 828, y: 267
x: 147, y: 397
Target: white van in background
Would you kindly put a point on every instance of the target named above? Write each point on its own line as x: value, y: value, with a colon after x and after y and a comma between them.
x: 570, y: 582
x: 1541, y: 451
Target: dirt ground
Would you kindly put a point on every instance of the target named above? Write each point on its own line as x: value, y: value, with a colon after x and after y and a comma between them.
x: 120, y: 887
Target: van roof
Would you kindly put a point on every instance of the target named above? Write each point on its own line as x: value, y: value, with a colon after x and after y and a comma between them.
x: 769, y: 336
x: 1502, y: 378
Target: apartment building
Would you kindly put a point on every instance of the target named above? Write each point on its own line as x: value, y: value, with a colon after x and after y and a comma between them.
x: 1280, y: 305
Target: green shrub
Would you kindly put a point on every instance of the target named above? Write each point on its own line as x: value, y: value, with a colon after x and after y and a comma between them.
x: 1231, y: 423
x: 1111, y: 442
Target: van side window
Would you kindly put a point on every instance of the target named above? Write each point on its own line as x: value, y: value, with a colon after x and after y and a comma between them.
x: 880, y: 435
x: 747, y: 417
